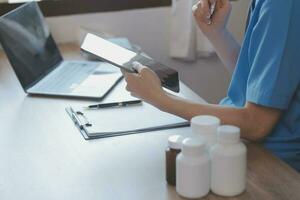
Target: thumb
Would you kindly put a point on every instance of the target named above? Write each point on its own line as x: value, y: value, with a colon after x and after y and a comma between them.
x: 138, y: 66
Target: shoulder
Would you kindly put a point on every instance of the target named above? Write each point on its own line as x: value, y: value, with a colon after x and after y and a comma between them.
x: 278, y: 7
x: 275, y: 3
x: 278, y: 12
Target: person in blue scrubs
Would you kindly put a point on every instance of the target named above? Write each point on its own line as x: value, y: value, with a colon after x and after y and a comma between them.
x: 264, y: 94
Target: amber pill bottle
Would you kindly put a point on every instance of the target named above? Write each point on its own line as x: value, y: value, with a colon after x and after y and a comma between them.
x: 174, y: 148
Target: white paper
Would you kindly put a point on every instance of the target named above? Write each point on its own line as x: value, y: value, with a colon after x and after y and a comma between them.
x: 120, y: 119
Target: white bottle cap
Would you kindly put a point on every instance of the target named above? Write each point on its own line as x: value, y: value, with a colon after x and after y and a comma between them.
x: 228, y: 134
x: 193, y: 146
x: 175, y: 141
x: 205, y: 124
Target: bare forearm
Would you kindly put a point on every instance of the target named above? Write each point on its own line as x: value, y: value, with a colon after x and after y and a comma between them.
x: 214, y: 28
x: 228, y: 115
x: 188, y: 109
x: 227, y: 48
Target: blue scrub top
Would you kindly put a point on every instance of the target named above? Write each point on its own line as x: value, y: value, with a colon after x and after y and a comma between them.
x: 268, y: 72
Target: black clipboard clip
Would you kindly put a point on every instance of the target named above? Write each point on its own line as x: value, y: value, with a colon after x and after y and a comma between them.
x: 76, y: 118
x: 80, y: 121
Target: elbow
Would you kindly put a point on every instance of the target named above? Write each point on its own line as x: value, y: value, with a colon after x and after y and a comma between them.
x: 255, y: 129
x: 257, y: 134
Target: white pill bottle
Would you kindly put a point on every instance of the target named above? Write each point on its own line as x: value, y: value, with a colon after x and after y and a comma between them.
x: 193, y: 169
x: 228, y: 163
x: 205, y: 127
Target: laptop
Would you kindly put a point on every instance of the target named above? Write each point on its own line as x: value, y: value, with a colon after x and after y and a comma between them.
x: 38, y: 64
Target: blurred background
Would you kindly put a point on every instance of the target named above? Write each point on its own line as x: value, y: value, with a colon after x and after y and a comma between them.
x: 150, y: 25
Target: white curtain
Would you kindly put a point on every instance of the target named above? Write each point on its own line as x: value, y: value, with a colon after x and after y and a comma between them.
x: 187, y: 41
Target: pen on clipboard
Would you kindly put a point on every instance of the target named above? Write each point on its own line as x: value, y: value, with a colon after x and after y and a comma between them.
x: 113, y: 105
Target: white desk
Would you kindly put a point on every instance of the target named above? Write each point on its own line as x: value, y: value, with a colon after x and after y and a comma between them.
x: 43, y: 156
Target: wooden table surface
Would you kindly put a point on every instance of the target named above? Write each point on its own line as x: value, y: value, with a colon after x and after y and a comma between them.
x: 43, y: 156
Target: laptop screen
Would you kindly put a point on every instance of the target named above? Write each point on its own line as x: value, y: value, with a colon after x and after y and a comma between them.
x: 28, y: 43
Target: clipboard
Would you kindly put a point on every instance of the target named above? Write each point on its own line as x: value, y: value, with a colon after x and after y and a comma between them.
x: 111, y: 122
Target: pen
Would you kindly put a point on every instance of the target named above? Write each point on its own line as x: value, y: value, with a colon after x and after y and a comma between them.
x: 115, y: 104
x: 212, y: 10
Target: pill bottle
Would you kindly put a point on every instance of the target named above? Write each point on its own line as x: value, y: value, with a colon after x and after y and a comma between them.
x: 174, y: 148
x: 193, y: 169
x: 228, y: 162
x: 205, y: 127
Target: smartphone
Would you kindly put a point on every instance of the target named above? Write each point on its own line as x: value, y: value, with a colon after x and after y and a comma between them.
x: 124, y: 59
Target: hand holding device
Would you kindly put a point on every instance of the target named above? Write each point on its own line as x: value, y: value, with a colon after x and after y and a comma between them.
x: 145, y: 85
x: 125, y: 59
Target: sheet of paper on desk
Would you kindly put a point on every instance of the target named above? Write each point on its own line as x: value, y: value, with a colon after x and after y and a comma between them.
x: 110, y: 122
x: 126, y: 119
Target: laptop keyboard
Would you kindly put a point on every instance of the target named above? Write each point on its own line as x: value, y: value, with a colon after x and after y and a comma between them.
x: 67, y: 76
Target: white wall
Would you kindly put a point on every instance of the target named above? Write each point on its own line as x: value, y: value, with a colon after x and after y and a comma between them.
x: 238, y: 18
x: 149, y: 28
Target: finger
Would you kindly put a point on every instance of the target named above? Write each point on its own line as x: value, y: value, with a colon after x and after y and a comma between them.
x: 132, y: 81
x: 220, y: 4
x: 128, y: 77
x: 203, y: 11
x: 138, y: 67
